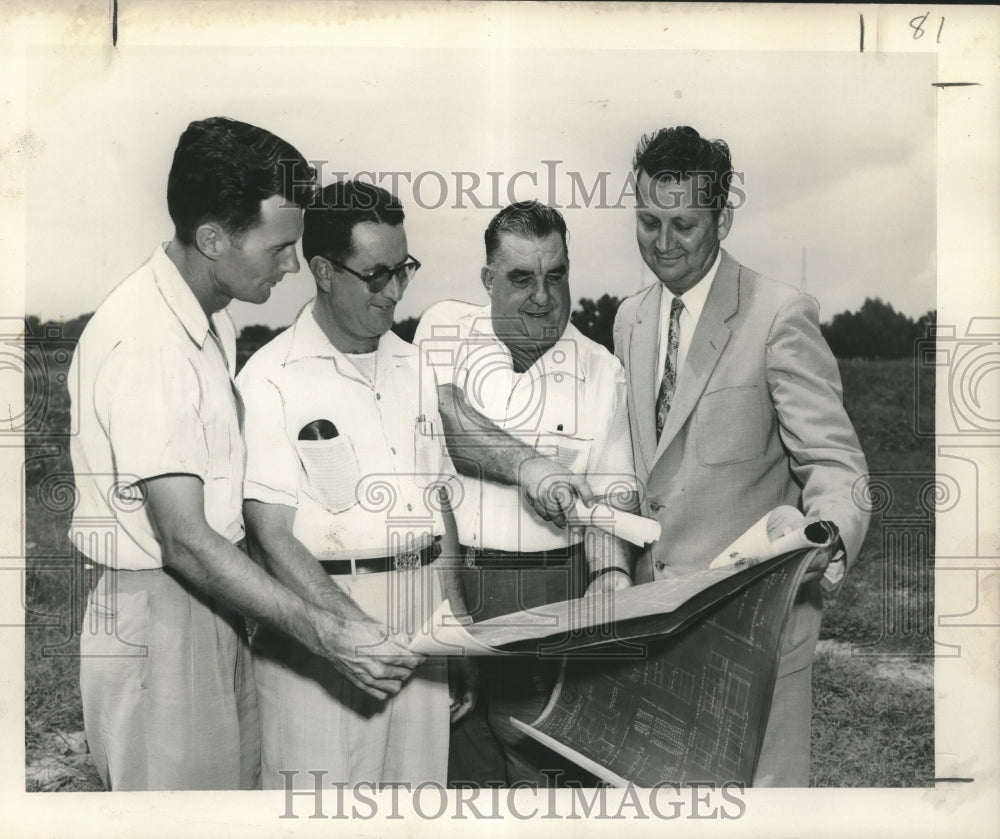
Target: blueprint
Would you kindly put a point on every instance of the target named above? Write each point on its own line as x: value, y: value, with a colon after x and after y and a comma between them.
x: 695, y: 706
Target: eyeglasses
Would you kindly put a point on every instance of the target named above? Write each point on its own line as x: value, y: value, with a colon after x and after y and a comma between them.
x: 377, y: 280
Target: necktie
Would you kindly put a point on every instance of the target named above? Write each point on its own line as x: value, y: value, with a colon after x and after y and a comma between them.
x: 669, y: 381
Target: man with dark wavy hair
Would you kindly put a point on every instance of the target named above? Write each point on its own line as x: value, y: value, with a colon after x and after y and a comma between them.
x: 158, y: 457
x: 735, y: 408
x: 341, y: 507
x: 523, y: 390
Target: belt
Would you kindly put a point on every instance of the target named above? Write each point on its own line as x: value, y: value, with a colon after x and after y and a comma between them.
x: 403, y: 561
x: 487, y: 558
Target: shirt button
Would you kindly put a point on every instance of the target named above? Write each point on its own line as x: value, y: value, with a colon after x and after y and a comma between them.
x: 409, y: 507
x: 660, y: 565
x: 378, y: 395
x: 392, y: 449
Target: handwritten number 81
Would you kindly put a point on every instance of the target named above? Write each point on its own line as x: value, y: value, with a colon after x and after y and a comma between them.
x: 917, y: 25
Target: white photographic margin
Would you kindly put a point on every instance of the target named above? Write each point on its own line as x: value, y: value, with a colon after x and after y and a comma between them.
x: 968, y: 264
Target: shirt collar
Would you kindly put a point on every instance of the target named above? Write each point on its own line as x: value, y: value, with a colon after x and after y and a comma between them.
x: 178, y: 296
x: 310, y: 341
x: 562, y: 357
x: 695, y: 297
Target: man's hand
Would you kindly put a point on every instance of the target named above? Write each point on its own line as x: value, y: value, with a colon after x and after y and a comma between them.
x: 328, y: 622
x: 820, y: 562
x: 608, y: 582
x: 481, y: 449
x: 362, y: 652
x: 817, y: 567
x: 552, y: 490
x: 829, y: 568
x: 336, y: 627
x: 463, y: 675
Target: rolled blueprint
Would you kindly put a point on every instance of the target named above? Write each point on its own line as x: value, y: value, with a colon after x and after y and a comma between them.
x: 632, y: 528
x: 782, y: 530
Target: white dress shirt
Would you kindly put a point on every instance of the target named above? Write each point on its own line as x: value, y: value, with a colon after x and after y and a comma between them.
x: 570, y: 405
x: 368, y: 491
x: 154, y: 396
x: 694, y: 302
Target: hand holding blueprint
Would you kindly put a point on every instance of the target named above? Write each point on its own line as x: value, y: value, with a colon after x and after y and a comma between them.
x: 782, y: 530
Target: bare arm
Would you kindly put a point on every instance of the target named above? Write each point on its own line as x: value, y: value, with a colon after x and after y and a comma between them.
x: 463, y: 671
x: 610, y: 560
x: 450, y: 560
x: 214, y: 565
x: 362, y: 650
x: 481, y: 449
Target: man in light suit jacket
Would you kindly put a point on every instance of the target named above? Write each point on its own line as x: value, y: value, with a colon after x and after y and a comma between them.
x: 735, y: 408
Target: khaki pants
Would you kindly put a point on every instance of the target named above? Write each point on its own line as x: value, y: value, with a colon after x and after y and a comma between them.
x: 168, y: 694
x: 315, y: 720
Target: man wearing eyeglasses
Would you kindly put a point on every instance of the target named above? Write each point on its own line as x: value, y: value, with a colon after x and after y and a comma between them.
x: 342, y: 505
x: 522, y: 387
x: 167, y: 693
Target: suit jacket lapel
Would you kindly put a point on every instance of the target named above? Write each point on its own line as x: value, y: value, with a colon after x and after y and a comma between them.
x: 710, y: 338
x: 642, y: 346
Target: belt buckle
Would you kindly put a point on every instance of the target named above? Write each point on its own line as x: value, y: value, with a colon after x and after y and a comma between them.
x: 406, y: 561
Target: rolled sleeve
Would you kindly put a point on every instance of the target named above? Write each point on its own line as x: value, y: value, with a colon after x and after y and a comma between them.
x: 272, y: 461
x: 152, y: 414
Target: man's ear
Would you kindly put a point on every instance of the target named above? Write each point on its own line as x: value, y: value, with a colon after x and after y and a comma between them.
x: 322, y: 273
x: 486, y: 275
x: 211, y: 240
x: 724, y: 222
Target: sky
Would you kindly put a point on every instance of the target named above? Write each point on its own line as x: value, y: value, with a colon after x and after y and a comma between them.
x: 836, y: 150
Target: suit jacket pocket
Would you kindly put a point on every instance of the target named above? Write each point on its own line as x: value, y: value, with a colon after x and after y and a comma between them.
x: 731, y: 426
x: 331, y: 467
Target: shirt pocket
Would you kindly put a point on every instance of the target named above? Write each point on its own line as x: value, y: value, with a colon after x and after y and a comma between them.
x: 571, y: 451
x: 332, y: 472
x: 731, y: 426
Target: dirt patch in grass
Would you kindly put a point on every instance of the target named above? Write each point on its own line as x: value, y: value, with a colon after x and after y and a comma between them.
x: 917, y: 670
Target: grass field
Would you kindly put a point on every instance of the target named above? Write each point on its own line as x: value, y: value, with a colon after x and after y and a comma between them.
x: 873, y: 723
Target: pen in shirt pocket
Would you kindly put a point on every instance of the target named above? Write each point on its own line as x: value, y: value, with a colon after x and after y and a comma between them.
x: 321, y: 429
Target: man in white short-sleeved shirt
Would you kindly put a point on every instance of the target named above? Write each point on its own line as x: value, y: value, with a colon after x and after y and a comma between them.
x: 342, y: 505
x: 529, y: 389
x: 158, y: 459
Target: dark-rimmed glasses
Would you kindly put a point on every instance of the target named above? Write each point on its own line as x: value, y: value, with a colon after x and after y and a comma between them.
x: 377, y: 280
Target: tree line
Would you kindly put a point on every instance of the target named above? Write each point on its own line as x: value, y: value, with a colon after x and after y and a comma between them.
x: 875, y: 331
